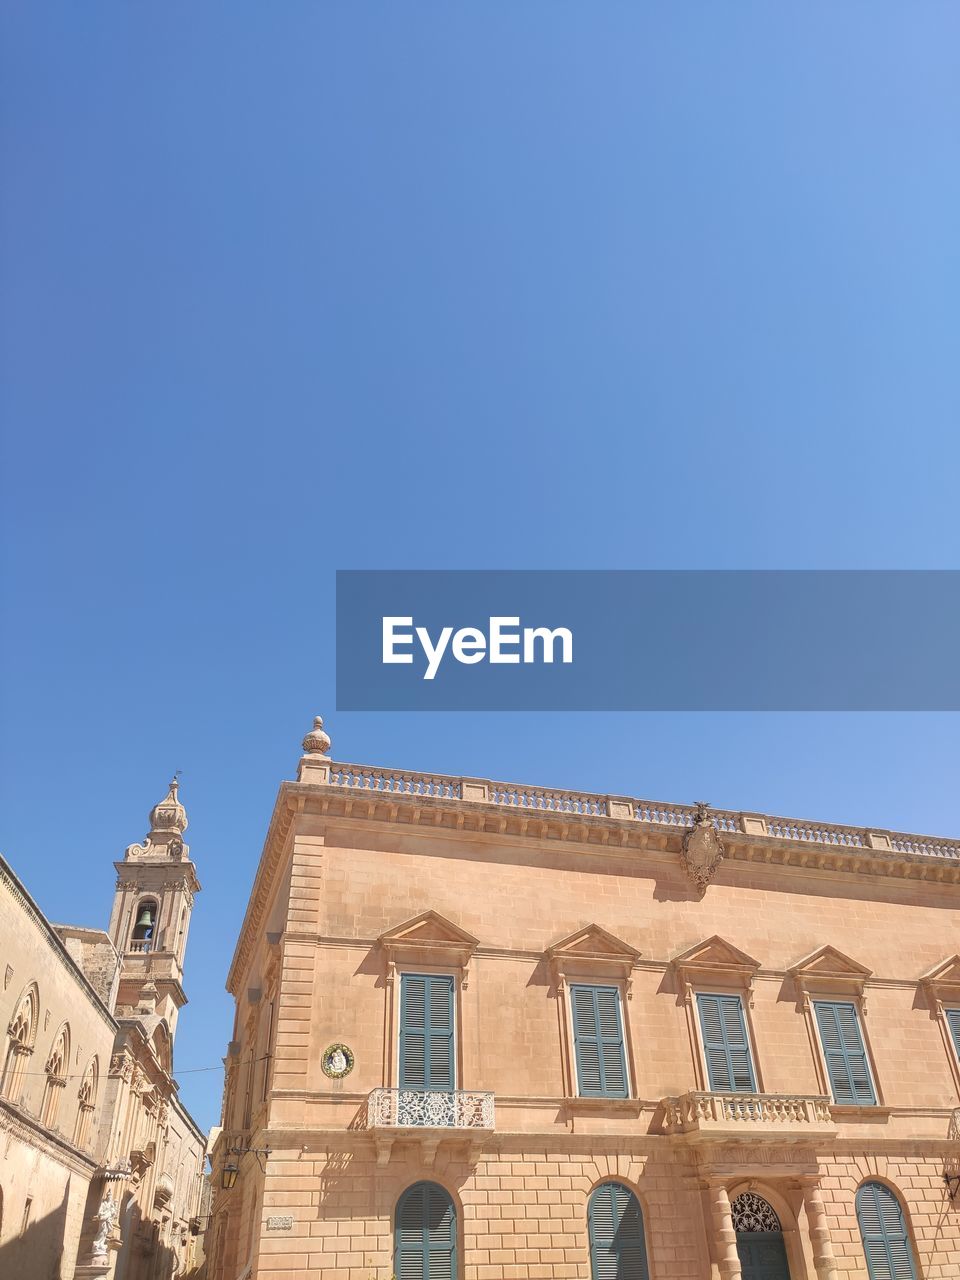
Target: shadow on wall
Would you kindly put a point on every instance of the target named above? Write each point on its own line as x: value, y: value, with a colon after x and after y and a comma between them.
x: 36, y: 1252
x: 144, y: 1253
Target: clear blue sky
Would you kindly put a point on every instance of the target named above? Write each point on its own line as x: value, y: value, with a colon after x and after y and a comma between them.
x: 292, y: 287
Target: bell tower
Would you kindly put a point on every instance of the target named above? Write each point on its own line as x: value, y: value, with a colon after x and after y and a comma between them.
x: 156, y: 884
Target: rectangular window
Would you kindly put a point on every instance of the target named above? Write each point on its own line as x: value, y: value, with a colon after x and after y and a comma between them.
x: 844, y: 1053
x: 267, y: 1047
x: 953, y: 1022
x: 427, y: 1049
x: 598, y: 1042
x: 726, y: 1046
x: 25, y: 1220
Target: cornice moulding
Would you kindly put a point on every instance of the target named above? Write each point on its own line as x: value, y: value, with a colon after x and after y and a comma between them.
x: 11, y: 881
x: 610, y: 833
x: 26, y: 1128
x: 747, y: 837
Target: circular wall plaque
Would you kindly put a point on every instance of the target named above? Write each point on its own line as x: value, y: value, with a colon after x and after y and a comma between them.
x: 337, y: 1061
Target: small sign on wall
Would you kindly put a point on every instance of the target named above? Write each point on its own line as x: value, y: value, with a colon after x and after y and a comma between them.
x: 281, y: 1222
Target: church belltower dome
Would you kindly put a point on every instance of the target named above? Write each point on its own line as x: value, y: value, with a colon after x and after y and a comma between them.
x: 169, y: 815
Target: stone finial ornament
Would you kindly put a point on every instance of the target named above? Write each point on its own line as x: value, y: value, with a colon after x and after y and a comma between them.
x: 169, y: 814
x: 317, y: 743
x: 702, y: 849
x: 168, y: 821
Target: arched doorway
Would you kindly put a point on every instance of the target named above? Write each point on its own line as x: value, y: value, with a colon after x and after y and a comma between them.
x: 425, y: 1234
x: 759, y: 1238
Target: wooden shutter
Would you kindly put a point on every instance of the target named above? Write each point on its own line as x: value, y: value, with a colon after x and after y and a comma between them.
x: 725, y: 1044
x: 953, y: 1022
x: 425, y: 1235
x: 886, y: 1242
x: 598, y: 1042
x: 844, y: 1053
x: 618, y: 1250
x: 426, y: 1032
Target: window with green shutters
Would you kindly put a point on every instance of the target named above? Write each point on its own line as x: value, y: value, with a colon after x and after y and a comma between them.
x: 953, y: 1022
x: 886, y: 1241
x: 425, y: 1234
x: 427, y: 1049
x: 726, y: 1045
x: 598, y: 1042
x: 618, y: 1250
x: 844, y: 1053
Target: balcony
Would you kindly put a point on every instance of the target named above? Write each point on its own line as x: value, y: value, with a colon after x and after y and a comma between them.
x: 429, y: 1117
x: 163, y: 1191
x: 749, y: 1117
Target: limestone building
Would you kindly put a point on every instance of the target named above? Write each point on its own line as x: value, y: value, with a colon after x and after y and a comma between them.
x: 101, y: 1166
x: 496, y: 1032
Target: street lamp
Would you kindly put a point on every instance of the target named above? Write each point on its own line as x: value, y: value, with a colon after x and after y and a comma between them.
x: 231, y: 1164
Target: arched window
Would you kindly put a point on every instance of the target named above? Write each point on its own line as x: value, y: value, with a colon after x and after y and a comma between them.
x: 161, y: 1047
x: 87, y: 1096
x: 883, y: 1228
x: 425, y: 1237
x: 20, y: 1037
x: 144, y: 925
x: 56, y: 1068
x: 618, y: 1250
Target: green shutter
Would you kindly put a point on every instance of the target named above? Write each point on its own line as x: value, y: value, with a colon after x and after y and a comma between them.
x: 844, y: 1053
x: 425, y: 1234
x: 953, y: 1022
x: 618, y: 1250
x: 426, y: 1032
x: 598, y: 1042
x: 725, y: 1044
x: 886, y: 1242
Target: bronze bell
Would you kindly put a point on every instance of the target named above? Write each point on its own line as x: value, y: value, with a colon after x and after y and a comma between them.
x: 146, y: 918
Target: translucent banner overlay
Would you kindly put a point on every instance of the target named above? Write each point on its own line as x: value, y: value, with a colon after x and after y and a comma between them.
x: 648, y: 640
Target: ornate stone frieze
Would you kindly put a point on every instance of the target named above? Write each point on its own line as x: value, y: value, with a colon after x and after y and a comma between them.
x: 121, y: 1066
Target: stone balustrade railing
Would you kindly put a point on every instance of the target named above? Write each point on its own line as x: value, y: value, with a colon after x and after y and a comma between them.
x: 517, y: 797
x: 360, y: 777
x: 532, y: 800
x: 701, y: 1112
x: 422, y: 1108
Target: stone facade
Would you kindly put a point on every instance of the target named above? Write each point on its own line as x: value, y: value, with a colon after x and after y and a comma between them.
x: 101, y: 1166
x: 521, y: 903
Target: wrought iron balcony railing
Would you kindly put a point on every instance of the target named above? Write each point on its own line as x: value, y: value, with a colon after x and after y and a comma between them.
x: 749, y: 1115
x: 426, y: 1109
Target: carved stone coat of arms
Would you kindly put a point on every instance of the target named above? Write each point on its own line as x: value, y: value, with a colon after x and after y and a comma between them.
x: 702, y: 849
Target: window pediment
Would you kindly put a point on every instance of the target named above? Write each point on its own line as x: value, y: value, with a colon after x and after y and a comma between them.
x: 828, y: 970
x: 592, y: 951
x: 943, y: 981
x: 715, y: 960
x: 429, y: 939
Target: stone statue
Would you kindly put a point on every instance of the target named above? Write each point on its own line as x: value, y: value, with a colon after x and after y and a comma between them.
x: 107, y: 1217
